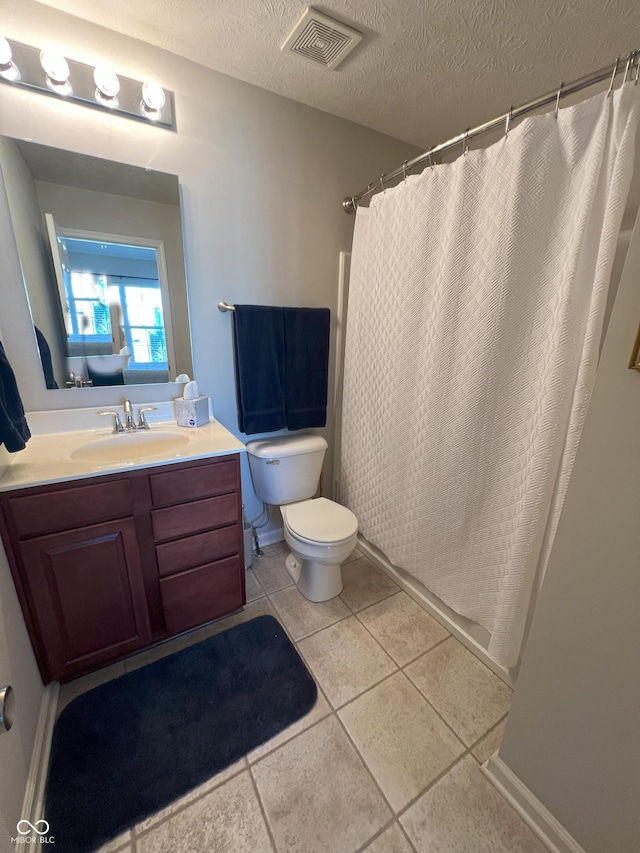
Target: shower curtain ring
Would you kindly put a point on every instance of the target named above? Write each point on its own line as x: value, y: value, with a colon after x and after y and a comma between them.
x: 628, y: 67
x: 430, y: 160
x: 635, y: 83
x: 404, y: 171
x: 369, y: 192
x: 613, y: 76
x: 508, y: 122
x: 382, y: 186
x: 558, y: 96
x: 465, y: 142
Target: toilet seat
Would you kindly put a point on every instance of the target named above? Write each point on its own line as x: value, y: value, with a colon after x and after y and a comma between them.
x: 320, y: 521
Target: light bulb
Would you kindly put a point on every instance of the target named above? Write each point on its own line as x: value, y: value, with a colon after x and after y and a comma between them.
x: 153, y: 97
x: 107, y: 87
x: 8, y: 68
x: 106, y: 81
x: 6, y: 53
x: 56, y: 68
x: 55, y: 65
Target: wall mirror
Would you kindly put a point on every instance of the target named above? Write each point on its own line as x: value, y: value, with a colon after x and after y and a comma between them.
x: 101, y: 251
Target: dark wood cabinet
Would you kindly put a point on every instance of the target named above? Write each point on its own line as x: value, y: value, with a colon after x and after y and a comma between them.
x: 88, y: 595
x: 109, y: 565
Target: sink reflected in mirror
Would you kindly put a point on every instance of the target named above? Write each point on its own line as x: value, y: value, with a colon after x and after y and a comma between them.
x: 130, y: 447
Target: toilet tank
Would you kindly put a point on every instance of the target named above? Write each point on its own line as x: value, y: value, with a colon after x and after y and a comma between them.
x: 286, y: 469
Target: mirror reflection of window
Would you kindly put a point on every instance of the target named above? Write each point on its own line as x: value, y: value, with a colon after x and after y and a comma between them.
x: 143, y: 325
x: 113, y: 309
x: 88, y: 308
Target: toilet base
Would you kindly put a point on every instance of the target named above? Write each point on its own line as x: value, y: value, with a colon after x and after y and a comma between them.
x: 317, y: 581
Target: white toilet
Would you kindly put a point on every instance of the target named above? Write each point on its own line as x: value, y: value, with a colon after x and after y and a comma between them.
x: 320, y: 533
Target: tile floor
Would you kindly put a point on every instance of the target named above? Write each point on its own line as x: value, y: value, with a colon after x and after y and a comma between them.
x: 386, y: 762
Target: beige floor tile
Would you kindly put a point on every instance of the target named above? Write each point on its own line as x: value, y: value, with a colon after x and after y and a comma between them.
x: 467, y: 694
x: 490, y: 743
x: 392, y: 840
x: 269, y: 569
x: 403, y: 628
x: 401, y: 738
x: 302, y: 617
x: 319, y: 711
x: 251, y: 610
x: 227, y: 820
x: 252, y: 585
x: 364, y: 584
x: 317, y: 794
x: 281, y: 545
x: 354, y: 555
x: 345, y: 660
x: 463, y: 812
x: 121, y: 844
x: 72, y: 689
x: 182, y: 802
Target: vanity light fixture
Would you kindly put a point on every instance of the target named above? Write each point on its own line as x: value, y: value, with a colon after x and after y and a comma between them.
x: 95, y: 85
x: 8, y: 68
x: 107, y: 86
x: 56, y: 68
x: 153, y: 100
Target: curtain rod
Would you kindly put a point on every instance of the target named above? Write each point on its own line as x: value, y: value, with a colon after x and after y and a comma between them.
x: 625, y: 64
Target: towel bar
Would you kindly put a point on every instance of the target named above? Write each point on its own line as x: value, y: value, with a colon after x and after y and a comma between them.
x: 222, y: 306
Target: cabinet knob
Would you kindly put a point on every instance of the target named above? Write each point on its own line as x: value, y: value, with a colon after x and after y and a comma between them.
x: 7, y: 708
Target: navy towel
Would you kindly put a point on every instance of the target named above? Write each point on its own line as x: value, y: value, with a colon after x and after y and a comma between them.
x: 259, y: 364
x: 45, y: 358
x: 14, y: 432
x: 306, y: 359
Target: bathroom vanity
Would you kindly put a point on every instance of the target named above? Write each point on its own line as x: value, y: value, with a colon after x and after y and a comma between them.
x: 106, y: 563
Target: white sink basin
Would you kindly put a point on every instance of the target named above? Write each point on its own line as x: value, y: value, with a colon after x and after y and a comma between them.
x: 130, y: 447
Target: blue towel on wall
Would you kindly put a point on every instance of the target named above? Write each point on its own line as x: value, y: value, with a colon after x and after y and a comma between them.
x: 258, y: 335
x: 14, y: 432
x: 306, y: 347
x: 281, y: 367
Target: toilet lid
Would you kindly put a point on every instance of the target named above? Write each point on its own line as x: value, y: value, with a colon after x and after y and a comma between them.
x: 321, y: 520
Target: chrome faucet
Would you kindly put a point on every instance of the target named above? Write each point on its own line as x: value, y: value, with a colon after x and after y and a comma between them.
x: 129, y: 422
x: 142, y: 420
x: 117, y: 423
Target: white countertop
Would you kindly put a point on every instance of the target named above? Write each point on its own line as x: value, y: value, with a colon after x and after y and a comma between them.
x: 52, y: 457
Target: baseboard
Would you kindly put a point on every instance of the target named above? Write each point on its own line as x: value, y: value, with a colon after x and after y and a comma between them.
x: 32, y: 806
x: 552, y: 834
x: 270, y: 537
x: 413, y: 588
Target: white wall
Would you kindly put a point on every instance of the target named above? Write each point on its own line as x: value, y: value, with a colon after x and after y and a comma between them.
x: 262, y: 179
x: 573, y: 734
x: 19, y: 669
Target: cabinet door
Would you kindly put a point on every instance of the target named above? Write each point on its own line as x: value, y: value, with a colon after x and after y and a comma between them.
x: 87, y: 591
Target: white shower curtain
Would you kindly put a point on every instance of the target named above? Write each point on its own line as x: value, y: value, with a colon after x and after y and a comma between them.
x: 476, y: 302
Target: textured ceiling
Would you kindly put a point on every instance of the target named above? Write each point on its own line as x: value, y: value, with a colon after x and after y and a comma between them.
x: 425, y: 70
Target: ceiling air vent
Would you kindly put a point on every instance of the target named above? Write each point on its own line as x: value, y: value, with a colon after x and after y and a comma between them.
x: 321, y: 40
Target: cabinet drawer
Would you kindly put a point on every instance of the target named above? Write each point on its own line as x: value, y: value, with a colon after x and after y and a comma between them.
x: 196, y: 550
x: 194, y: 517
x: 199, y: 595
x: 66, y: 509
x: 189, y: 484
